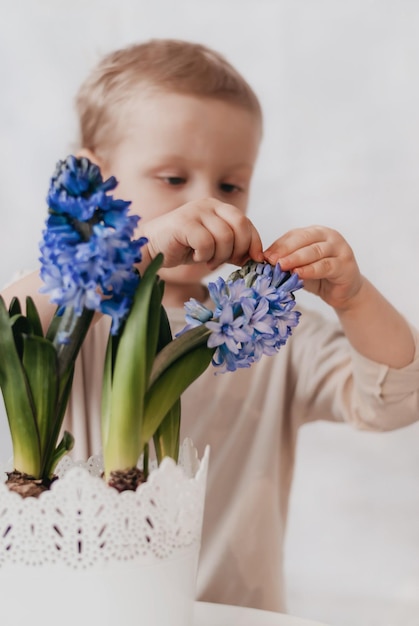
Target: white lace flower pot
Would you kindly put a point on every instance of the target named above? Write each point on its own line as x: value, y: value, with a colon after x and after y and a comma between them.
x: 84, y: 554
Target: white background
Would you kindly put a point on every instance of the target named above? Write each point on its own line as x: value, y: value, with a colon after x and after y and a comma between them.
x: 339, y: 84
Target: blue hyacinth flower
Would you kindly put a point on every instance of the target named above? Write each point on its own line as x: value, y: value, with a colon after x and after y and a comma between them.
x: 253, y: 316
x: 88, y: 252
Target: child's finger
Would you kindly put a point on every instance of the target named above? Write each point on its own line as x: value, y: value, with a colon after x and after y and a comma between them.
x: 253, y: 249
x: 308, y: 255
x: 326, y: 267
x: 224, y: 239
x: 246, y: 241
x: 201, y: 241
x: 294, y: 240
x: 301, y: 247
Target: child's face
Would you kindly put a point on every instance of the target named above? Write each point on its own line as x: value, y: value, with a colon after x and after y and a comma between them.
x: 179, y: 148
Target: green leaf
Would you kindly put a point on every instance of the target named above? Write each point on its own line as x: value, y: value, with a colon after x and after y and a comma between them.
x: 33, y: 317
x: 40, y: 363
x: 170, y: 385
x: 20, y: 327
x: 154, y: 325
x: 165, y: 333
x: 18, y: 402
x: 14, y: 307
x: 106, y: 402
x: 53, y: 326
x: 167, y: 436
x: 197, y: 336
x: 130, y: 375
x: 66, y: 383
x: 66, y: 444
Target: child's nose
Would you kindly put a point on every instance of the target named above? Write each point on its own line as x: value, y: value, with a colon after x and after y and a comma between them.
x: 203, y: 189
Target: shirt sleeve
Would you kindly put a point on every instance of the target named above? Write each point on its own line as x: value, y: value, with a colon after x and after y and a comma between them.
x: 386, y: 398
x: 334, y: 382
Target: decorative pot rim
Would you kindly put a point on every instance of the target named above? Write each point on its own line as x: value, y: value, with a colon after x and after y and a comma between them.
x: 82, y: 522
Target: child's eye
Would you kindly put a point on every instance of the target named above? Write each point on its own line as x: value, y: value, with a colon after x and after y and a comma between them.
x: 229, y: 188
x: 174, y: 180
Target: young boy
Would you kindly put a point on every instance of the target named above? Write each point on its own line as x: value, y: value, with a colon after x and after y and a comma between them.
x: 180, y: 129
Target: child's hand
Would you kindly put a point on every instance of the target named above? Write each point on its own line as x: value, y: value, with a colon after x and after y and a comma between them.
x: 323, y: 259
x: 206, y: 231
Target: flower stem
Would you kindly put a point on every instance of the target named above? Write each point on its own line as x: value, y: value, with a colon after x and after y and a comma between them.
x: 75, y: 327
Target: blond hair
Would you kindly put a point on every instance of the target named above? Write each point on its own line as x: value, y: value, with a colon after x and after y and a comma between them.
x: 168, y: 64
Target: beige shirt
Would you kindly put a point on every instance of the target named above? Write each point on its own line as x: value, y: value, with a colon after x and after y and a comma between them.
x: 250, y: 419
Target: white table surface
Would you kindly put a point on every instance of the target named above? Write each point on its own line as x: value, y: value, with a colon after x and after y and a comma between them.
x: 207, y: 614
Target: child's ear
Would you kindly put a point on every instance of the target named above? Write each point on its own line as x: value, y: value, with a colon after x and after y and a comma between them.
x: 85, y: 152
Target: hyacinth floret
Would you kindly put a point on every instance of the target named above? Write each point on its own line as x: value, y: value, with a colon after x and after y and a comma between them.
x: 87, y: 250
x: 196, y: 314
x: 254, y: 314
x: 78, y: 189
